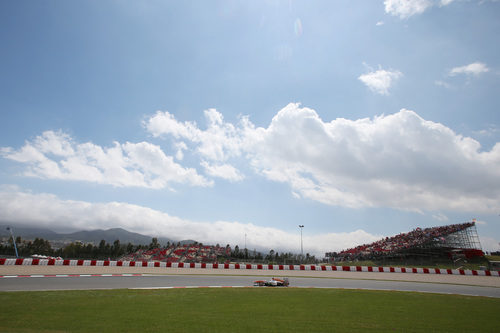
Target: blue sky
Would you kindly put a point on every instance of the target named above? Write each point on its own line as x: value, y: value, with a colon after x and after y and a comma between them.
x: 212, y: 120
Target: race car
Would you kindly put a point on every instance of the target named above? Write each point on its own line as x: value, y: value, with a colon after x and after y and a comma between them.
x: 274, y: 282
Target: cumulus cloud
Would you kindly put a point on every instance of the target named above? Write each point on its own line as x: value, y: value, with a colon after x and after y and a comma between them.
x: 180, y: 146
x: 55, y: 155
x: 400, y: 160
x: 475, y: 69
x: 407, y: 8
x: 224, y: 171
x: 49, y: 211
x: 443, y: 3
x: 380, y: 81
x: 218, y: 143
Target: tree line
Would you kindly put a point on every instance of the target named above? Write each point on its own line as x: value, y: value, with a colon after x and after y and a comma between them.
x: 74, y: 250
x: 273, y: 257
x: 104, y: 250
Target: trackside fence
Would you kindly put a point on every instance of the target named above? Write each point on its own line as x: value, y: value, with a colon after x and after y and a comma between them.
x: 159, y: 264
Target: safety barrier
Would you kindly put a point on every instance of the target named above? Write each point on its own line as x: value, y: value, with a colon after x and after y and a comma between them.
x: 111, y: 263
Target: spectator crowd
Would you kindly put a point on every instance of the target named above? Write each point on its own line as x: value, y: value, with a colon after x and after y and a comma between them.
x: 180, y: 253
x: 401, y: 242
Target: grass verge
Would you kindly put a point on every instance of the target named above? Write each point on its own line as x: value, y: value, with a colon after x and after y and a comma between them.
x: 475, y: 264
x: 244, y: 310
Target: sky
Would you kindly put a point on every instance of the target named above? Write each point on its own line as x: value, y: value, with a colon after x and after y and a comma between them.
x: 234, y: 122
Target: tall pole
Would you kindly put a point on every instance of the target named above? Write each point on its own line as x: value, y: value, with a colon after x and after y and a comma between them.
x: 301, y: 249
x: 13, y: 240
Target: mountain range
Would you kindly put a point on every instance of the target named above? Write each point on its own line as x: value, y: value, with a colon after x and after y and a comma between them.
x: 94, y: 236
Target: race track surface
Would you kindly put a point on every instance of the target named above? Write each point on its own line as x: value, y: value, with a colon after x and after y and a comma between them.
x: 174, y: 280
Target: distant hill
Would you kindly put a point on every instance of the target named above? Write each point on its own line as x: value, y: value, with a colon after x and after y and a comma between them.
x: 94, y: 236
x: 109, y: 236
x: 29, y: 232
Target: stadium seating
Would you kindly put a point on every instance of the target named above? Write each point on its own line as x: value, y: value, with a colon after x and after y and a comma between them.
x: 401, y: 242
x: 189, y: 253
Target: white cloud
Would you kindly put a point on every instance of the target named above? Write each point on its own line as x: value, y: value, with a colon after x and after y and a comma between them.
x: 443, y: 84
x: 165, y: 122
x: 19, y: 207
x: 490, y: 131
x: 379, y: 23
x: 216, y: 144
x: 475, y: 69
x: 380, y: 81
x: 224, y: 171
x: 489, y: 244
x: 49, y: 211
x: 440, y: 217
x: 400, y: 161
x: 443, y: 3
x: 180, y: 146
x: 220, y: 141
x: 406, y: 8
x: 471, y: 70
x: 55, y: 155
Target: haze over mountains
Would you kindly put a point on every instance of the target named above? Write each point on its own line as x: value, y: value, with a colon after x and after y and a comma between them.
x: 94, y: 236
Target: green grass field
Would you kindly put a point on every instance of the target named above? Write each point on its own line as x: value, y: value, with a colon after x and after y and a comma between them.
x: 494, y: 258
x: 244, y: 310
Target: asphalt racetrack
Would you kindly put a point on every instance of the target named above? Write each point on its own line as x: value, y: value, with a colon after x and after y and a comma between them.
x: 39, y: 282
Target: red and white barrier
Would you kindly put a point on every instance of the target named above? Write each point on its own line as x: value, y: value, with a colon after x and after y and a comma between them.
x: 67, y: 275
x: 66, y: 262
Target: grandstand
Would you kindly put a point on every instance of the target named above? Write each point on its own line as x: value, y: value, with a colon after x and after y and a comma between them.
x: 443, y: 243
x: 181, y: 253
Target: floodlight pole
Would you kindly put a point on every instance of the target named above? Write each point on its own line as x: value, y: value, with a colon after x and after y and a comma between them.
x: 13, y: 240
x: 301, y: 249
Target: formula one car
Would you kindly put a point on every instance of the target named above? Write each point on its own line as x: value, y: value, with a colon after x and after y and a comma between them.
x: 274, y: 282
